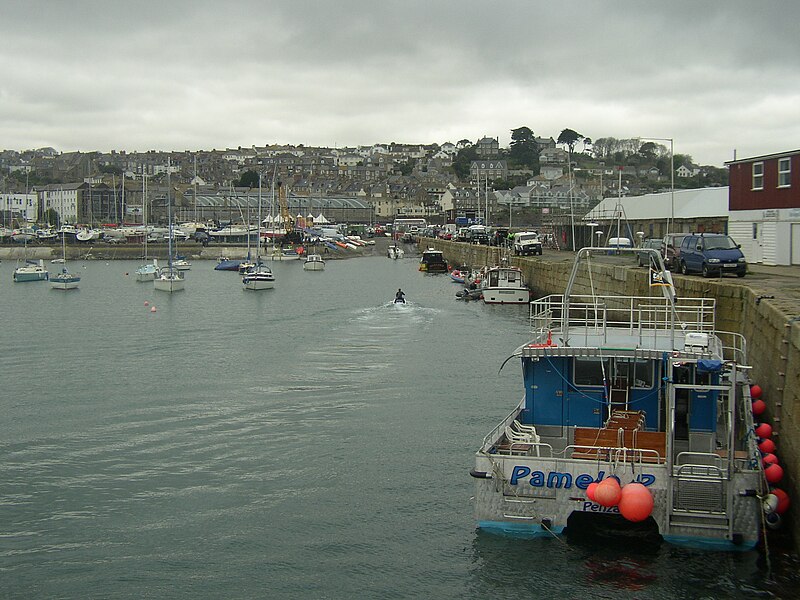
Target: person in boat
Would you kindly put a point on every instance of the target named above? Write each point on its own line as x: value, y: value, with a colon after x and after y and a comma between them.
x: 400, y: 296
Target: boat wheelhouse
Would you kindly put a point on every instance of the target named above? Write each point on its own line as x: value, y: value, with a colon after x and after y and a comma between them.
x: 432, y: 261
x: 504, y: 285
x: 641, y: 394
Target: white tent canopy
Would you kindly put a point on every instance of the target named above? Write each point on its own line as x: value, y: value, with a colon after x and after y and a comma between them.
x: 320, y: 219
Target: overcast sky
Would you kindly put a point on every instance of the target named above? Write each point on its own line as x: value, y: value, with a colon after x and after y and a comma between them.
x: 716, y: 76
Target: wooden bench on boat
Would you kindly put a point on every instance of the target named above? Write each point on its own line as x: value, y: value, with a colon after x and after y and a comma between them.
x: 621, y: 438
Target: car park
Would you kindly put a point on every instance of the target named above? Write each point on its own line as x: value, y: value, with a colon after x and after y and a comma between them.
x: 711, y: 254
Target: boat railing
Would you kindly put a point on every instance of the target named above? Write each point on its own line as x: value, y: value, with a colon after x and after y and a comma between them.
x: 734, y: 346
x: 595, y: 314
x: 492, y: 439
x: 614, y: 454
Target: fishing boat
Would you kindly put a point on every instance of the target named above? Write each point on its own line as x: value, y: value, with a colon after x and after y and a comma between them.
x: 432, y: 261
x: 314, y: 262
x: 64, y: 280
x: 504, y: 285
x: 635, y: 420
x: 169, y: 278
x: 258, y: 276
x: 31, y: 270
x: 394, y: 252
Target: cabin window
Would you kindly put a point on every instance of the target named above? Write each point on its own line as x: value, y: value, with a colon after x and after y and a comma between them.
x: 784, y: 172
x: 638, y: 373
x: 758, y: 176
x: 590, y: 371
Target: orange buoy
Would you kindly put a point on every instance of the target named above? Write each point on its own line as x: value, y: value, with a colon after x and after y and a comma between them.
x: 152, y: 309
x: 774, y: 473
x: 767, y: 446
x: 146, y: 303
x: 764, y: 431
x: 635, y: 502
x: 590, y: 491
x: 769, y: 459
x: 755, y: 392
x: 607, y: 492
x: 759, y: 406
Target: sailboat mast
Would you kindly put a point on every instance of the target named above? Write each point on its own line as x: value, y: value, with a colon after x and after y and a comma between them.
x: 169, y: 217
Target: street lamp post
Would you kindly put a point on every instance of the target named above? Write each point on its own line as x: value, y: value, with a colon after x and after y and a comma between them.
x: 592, y: 225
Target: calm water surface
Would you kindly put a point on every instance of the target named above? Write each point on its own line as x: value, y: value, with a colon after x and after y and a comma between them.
x: 311, y: 441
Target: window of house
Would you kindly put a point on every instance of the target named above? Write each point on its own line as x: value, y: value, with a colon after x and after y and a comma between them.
x: 784, y: 172
x: 758, y: 176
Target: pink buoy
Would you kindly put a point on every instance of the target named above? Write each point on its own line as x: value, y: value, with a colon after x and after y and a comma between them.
x: 146, y: 303
x: 755, y: 392
x: 590, y: 491
x: 152, y: 309
x: 783, y: 500
x: 767, y: 446
x: 636, y: 502
x: 759, y: 406
x: 769, y: 459
x: 764, y: 431
x: 607, y: 492
x: 773, y: 473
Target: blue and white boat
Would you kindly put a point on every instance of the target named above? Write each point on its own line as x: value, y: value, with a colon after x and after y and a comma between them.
x: 640, y: 396
x: 65, y: 280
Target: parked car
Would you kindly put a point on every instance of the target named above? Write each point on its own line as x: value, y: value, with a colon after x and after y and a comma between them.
x: 527, y: 242
x: 643, y: 258
x: 711, y: 254
x: 670, y: 250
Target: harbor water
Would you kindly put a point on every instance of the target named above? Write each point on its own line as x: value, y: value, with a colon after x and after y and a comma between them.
x: 309, y: 441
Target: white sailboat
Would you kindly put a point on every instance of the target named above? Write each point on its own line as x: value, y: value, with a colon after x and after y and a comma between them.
x: 65, y: 280
x: 30, y: 270
x: 259, y: 276
x: 169, y: 278
x: 147, y: 271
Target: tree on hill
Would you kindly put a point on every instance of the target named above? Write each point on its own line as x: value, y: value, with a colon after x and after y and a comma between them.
x: 523, y: 150
x: 463, y: 161
x: 569, y: 138
x: 248, y: 179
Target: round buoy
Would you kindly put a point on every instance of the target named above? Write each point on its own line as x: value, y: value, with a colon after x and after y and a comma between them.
x: 769, y: 504
x: 146, y: 303
x: 773, y: 520
x: 783, y: 500
x: 635, y: 502
x: 769, y: 459
x: 759, y: 406
x: 590, y: 491
x: 755, y: 392
x: 767, y: 446
x: 607, y: 492
x: 152, y: 309
x: 773, y: 473
x: 764, y: 431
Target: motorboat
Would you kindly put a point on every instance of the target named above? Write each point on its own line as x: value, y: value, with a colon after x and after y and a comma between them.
x: 31, y: 270
x: 314, y: 262
x: 147, y: 271
x: 433, y: 261
x: 181, y: 264
x: 636, y: 420
x: 504, y: 285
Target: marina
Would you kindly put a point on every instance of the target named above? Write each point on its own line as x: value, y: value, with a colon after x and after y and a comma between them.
x: 287, y: 425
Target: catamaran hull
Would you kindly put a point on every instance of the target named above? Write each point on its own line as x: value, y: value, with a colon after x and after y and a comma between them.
x: 536, y: 497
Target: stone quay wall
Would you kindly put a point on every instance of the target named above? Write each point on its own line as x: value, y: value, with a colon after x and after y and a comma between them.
x: 772, y: 334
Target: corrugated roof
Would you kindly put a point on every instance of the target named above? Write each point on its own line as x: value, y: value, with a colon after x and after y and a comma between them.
x: 688, y: 204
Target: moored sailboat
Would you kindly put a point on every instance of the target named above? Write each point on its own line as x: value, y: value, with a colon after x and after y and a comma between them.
x: 169, y: 278
x: 64, y: 280
x: 258, y: 276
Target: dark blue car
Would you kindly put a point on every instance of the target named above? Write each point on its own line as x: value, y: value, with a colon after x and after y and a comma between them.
x: 711, y: 254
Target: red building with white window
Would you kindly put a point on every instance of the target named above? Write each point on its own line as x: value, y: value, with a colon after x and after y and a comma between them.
x: 764, y: 204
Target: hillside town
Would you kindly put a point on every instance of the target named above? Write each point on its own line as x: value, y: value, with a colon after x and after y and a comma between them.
x: 477, y: 181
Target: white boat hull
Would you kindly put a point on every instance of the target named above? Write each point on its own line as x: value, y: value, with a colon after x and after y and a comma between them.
x: 505, y: 296
x: 66, y: 281
x: 169, y: 281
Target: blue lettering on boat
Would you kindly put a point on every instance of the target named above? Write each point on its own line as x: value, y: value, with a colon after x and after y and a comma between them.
x: 558, y: 479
